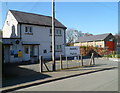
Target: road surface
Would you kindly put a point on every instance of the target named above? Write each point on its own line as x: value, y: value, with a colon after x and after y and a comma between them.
x: 106, y: 80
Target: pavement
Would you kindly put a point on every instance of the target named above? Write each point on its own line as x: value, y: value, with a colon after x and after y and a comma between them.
x: 101, y: 65
x: 115, y: 59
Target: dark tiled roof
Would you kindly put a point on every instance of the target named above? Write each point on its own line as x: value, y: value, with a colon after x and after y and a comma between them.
x: 35, y: 19
x: 92, y: 38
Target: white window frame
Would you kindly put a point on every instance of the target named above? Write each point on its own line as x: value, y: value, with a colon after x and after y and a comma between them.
x: 58, y: 47
x: 58, y: 32
x: 28, y: 29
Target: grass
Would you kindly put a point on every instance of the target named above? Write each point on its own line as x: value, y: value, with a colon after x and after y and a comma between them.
x: 113, y: 55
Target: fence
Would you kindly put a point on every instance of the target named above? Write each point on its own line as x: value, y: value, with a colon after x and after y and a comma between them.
x: 66, y: 63
x: 61, y: 64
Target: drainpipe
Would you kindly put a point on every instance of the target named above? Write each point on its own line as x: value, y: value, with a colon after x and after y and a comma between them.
x: 20, y: 32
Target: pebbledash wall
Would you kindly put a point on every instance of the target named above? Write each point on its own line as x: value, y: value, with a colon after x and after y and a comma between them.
x: 38, y: 40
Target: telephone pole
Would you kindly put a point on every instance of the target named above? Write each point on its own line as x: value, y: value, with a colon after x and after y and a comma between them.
x: 53, y: 35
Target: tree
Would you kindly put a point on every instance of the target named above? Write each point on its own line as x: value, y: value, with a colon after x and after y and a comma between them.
x: 1, y: 33
x: 87, y: 34
x: 72, y: 35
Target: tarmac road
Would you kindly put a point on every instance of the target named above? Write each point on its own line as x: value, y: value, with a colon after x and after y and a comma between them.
x: 99, y: 81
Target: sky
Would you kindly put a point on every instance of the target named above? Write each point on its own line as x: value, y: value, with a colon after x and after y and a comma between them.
x: 91, y: 17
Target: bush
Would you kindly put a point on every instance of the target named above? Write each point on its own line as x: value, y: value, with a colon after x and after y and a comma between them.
x: 117, y: 56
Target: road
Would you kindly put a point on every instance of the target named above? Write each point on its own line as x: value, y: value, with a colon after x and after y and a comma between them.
x: 106, y: 80
x: 71, y: 63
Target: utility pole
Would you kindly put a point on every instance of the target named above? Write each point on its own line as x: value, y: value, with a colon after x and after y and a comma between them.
x: 53, y: 35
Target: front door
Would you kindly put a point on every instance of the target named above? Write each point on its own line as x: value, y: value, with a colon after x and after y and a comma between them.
x: 7, y: 53
x: 27, y: 53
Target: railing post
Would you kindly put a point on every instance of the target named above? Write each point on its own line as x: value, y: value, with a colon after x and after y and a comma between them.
x: 82, y: 60
x: 61, y: 61
x: 93, y: 59
x: 41, y: 64
x: 67, y: 61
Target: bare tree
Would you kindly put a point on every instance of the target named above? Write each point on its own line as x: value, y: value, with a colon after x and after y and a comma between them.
x: 72, y: 35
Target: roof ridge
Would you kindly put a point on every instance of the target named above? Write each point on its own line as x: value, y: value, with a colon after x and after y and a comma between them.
x: 29, y: 13
x: 32, y: 18
x: 94, y: 37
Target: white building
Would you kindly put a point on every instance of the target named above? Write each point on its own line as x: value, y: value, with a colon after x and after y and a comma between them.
x: 27, y: 36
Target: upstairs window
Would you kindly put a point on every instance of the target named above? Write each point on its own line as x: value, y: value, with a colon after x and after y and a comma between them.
x: 58, y: 32
x: 28, y: 30
x: 8, y: 23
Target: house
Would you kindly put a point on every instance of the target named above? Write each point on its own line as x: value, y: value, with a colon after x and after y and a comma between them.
x: 103, y: 40
x: 26, y: 36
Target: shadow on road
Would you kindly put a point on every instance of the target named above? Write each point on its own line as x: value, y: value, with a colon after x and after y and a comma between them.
x: 13, y: 75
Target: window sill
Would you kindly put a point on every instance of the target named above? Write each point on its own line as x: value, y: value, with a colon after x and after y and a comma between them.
x: 28, y: 33
x: 56, y: 51
x: 56, y: 35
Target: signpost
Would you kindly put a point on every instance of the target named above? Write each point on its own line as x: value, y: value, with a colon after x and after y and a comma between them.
x: 72, y: 51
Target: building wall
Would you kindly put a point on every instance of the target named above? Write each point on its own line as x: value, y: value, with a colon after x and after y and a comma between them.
x: 42, y: 36
x: 100, y: 44
x: 10, y: 28
x: 111, y: 38
x: 92, y: 43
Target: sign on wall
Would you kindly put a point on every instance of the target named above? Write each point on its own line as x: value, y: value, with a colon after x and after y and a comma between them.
x: 71, y: 51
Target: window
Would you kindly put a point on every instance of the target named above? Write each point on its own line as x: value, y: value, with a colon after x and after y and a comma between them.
x: 26, y: 50
x: 45, y: 51
x: 28, y: 29
x: 7, y: 23
x: 58, y: 47
x: 50, y: 31
x: 58, y: 32
x: 111, y: 39
x: 97, y: 45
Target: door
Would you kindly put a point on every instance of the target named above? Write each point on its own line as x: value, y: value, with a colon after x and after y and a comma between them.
x: 7, y: 53
x: 27, y: 53
x: 110, y: 45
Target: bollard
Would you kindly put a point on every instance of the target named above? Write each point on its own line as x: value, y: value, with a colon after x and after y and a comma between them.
x: 61, y: 61
x: 41, y: 64
x: 66, y: 61
x: 82, y: 60
x: 78, y: 60
x: 93, y: 59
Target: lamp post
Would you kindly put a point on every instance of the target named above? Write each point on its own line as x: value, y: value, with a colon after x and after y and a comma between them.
x: 53, y: 35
